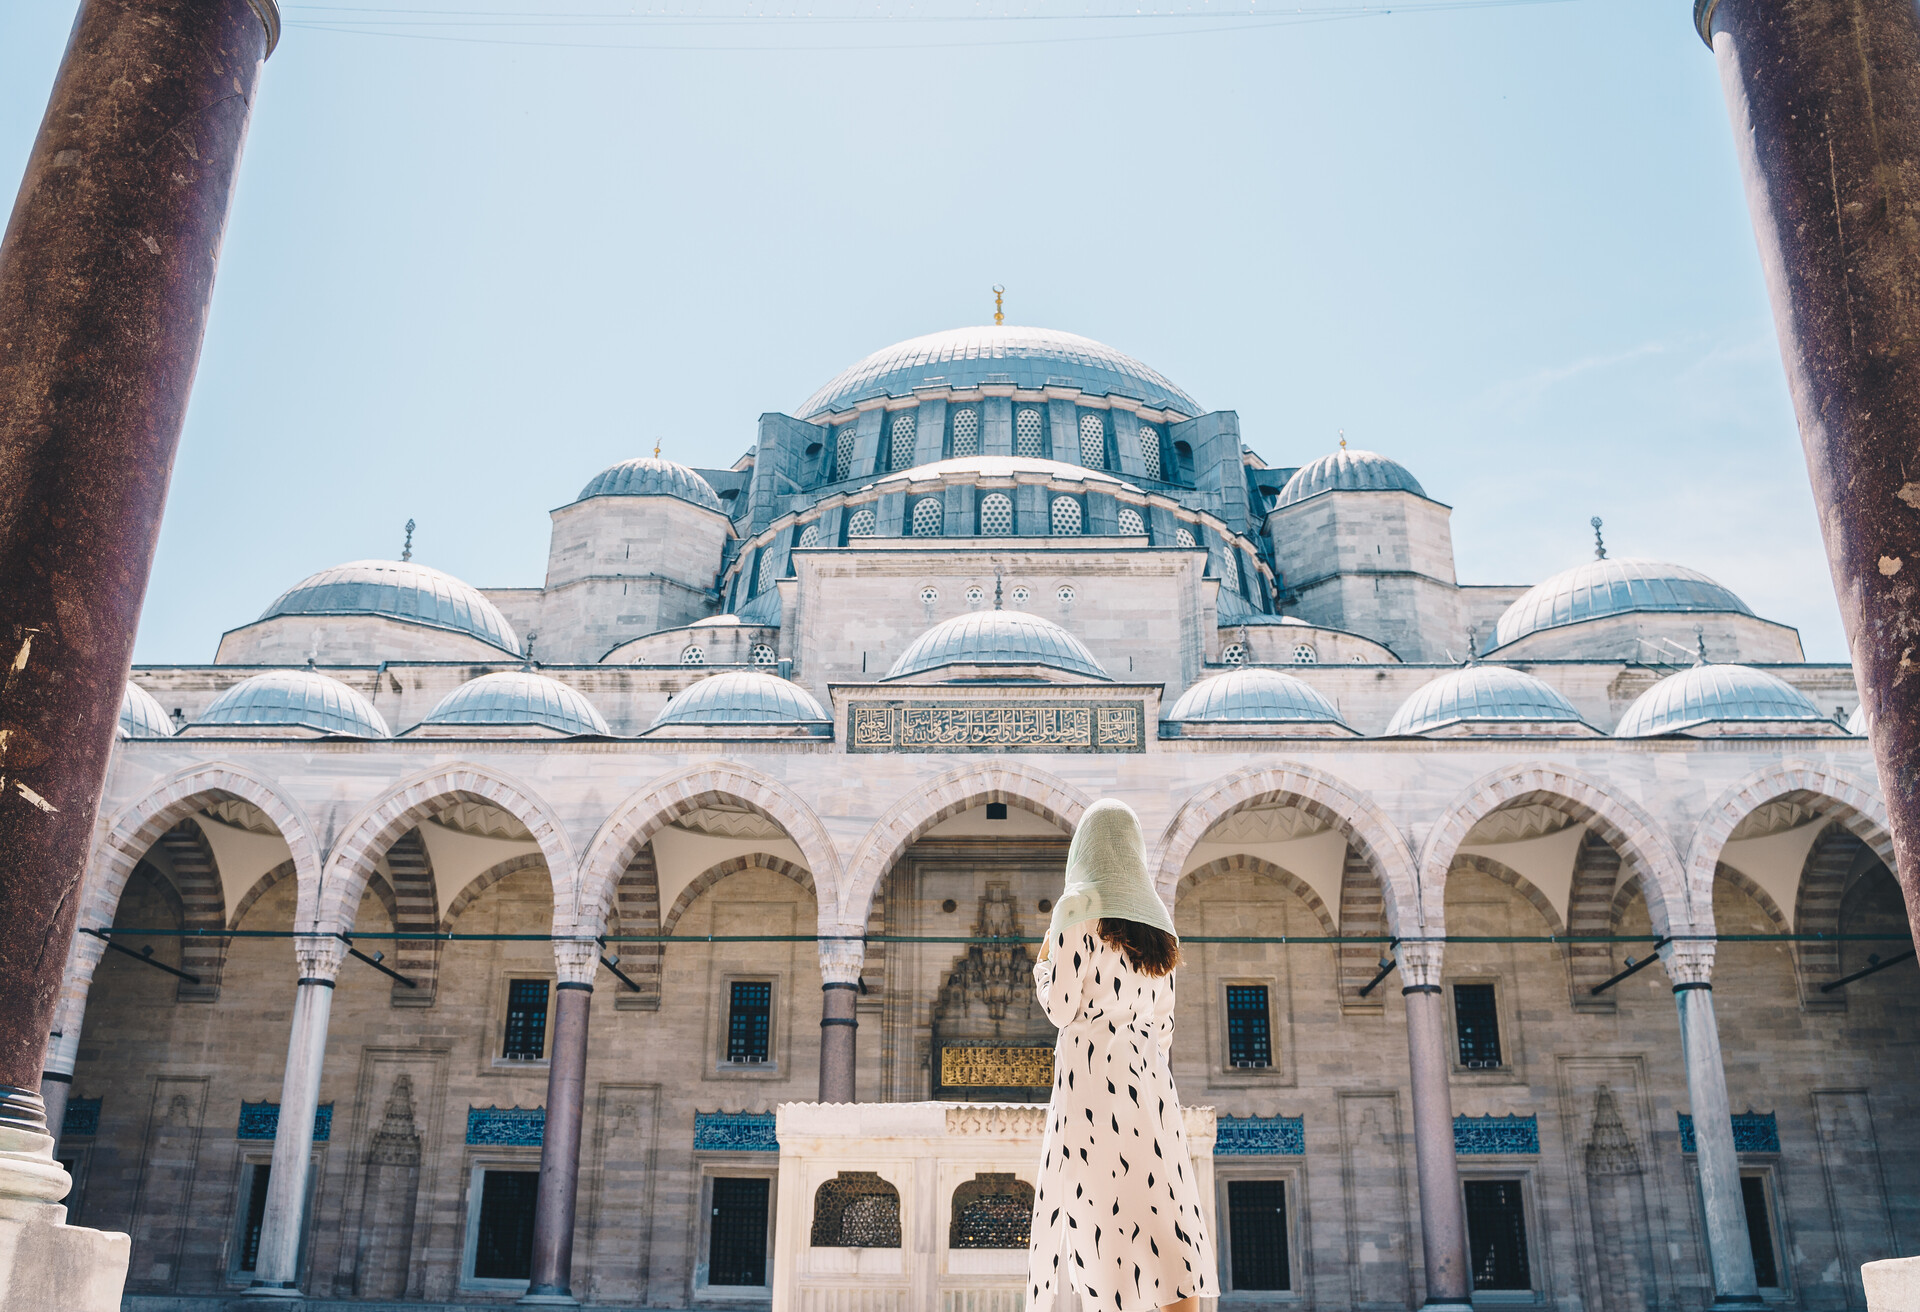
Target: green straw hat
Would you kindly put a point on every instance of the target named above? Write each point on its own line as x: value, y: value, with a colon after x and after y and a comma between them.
x: 1107, y: 872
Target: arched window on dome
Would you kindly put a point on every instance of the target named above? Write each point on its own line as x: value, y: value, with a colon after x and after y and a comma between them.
x: 1230, y: 568
x: 1183, y: 463
x: 966, y: 432
x: 1150, y: 450
x: 1131, y: 525
x: 1065, y: 514
x: 996, y: 515
x: 694, y: 656
x: 1028, y: 438
x: 926, y: 517
x: 1304, y: 654
x: 1233, y: 654
x: 1093, y: 441
x: 902, y: 445
x: 809, y: 537
x: 860, y: 524
x: 763, y: 573
x: 764, y: 654
x: 1183, y: 537
x: 843, y: 452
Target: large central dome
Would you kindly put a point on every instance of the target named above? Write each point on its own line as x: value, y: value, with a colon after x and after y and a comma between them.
x: 1024, y: 357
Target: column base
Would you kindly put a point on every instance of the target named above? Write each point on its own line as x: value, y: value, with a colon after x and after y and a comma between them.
x: 49, y: 1266
x: 1892, y: 1285
x: 273, y: 1291
x: 1445, y: 1305
x: 547, y: 1300
x: 1738, y: 1301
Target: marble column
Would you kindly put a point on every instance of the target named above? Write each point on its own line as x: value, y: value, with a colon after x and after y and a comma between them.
x: 553, y: 1208
x: 277, y: 1266
x: 840, y: 963
x: 1730, y: 1252
x: 1443, y: 1212
x: 63, y: 1043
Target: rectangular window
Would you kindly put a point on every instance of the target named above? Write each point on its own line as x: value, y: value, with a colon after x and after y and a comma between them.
x: 253, y: 1192
x: 1497, y: 1235
x: 1257, y: 1234
x: 1249, y: 1039
x: 503, y: 1243
x: 737, y: 1232
x: 526, y: 1038
x: 749, y: 1021
x: 1753, y: 1192
x: 1476, y: 1021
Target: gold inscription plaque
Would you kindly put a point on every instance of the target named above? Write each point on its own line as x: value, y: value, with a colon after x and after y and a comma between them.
x: 981, y: 727
x: 996, y: 1068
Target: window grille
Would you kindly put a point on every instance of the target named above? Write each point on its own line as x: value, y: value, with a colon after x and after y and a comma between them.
x: 966, y: 433
x: 749, y: 1021
x: 926, y: 517
x: 1027, y: 434
x: 976, y: 595
x: 1184, y: 538
x: 902, y: 447
x: 737, y: 1233
x: 996, y: 515
x: 257, y: 1177
x: 694, y: 656
x: 526, y: 1035
x: 1066, y: 517
x: 764, y: 654
x: 763, y: 573
x: 1150, y: 450
x: 1233, y: 654
x: 1131, y: 525
x: 1257, y: 1234
x: 503, y: 1246
x: 1497, y: 1235
x: 929, y: 595
x: 992, y: 1210
x: 1066, y: 593
x: 843, y: 452
x: 856, y: 1209
x: 1230, y: 569
x: 1093, y: 441
x: 809, y: 537
x: 861, y: 524
x: 1766, y: 1268
x: 1476, y: 1023
x: 1304, y: 654
x: 1020, y: 596
x: 1249, y: 1040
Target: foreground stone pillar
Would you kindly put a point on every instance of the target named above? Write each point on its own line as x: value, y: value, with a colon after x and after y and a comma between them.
x: 840, y: 963
x: 277, y: 1266
x: 553, y: 1207
x: 1728, y: 1248
x: 1825, y: 101
x: 1443, y: 1209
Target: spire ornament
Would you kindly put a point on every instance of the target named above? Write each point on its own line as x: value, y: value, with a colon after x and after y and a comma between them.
x: 998, y: 316
x: 1599, y: 543
x: 406, y: 549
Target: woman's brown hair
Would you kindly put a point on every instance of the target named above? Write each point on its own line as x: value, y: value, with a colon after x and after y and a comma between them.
x: 1150, y: 951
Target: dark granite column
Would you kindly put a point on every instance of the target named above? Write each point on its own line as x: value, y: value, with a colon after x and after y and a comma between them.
x: 553, y: 1207
x: 105, y: 274
x: 840, y: 963
x: 1825, y: 101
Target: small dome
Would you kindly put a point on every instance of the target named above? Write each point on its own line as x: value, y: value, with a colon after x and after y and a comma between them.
x: 401, y: 590
x: 141, y: 716
x: 997, y: 637
x: 1612, y: 587
x: 1254, y: 694
x: 1348, y: 471
x: 1718, y: 695
x: 518, y: 697
x: 295, y: 699
x: 1481, y: 694
x: 742, y: 697
x: 650, y: 476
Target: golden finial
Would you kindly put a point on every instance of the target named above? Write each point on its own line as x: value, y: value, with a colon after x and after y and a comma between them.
x: 656, y: 448
x: 998, y: 292
x: 1343, y: 439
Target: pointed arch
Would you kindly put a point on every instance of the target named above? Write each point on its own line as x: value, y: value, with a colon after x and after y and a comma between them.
x: 485, y: 880
x: 261, y: 887
x: 1823, y: 889
x: 1243, y: 862
x: 1501, y: 873
x: 706, y: 879
x: 203, y: 906
x: 416, y: 908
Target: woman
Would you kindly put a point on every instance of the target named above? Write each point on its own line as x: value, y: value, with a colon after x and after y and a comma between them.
x: 1117, y: 1203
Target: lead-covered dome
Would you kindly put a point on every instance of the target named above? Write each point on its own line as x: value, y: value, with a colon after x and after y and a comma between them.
x: 999, y: 353
x: 650, y: 476
x: 742, y: 697
x: 1485, y: 699
x: 997, y: 637
x: 400, y: 590
x: 141, y: 716
x: 1254, y: 695
x: 519, y: 698
x: 294, y: 699
x: 1723, y: 699
x: 1612, y: 587
x: 1348, y: 471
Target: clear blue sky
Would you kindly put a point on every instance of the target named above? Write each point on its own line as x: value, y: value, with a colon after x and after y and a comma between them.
x: 1505, y: 245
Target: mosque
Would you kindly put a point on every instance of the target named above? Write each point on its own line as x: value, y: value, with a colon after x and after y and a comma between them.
x: 450, y: 945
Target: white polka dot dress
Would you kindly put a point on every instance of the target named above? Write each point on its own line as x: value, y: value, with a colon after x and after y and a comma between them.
x: 1117, y: 1203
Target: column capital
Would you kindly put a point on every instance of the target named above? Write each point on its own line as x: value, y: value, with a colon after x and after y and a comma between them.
x: 1420, y: 963
x: 319, y: 955
x: 575, y: 961
x: 1689, y: 963
x: 841, y: 960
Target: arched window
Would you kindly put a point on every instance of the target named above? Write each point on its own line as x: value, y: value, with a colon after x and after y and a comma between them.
x: 1020, y: 596
x: 902, y: 448
x: 1304, y: 654
x: 856, y: 1209
x: 809, y: 537
x: 1066, y: 594
x: 1066, y: 517
x: 1026, y: 434
x: 1233, y: 654
x: 1183, y: 537
x: 1131, y: 525
x: 926, y: 517
x: 694, y: 656
x: 1183, y: 463
x: 996, y: 515
x: 1150, y: 450
x: 860, y: 524
x: 991, y: 1211
x: 1230, y: 569
x: 843, y: 452
x: 976, y: 595
x: 763, y: 573
x: 966, y: 433
x: 764, y: 654
x: 1093, y: 441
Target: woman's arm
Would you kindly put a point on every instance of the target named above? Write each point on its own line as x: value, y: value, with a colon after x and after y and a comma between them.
x: 1059, y: 977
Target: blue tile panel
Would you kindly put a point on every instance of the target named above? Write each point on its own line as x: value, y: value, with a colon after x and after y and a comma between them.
x: 1260, y: 1136
x: 507, y: 1127
x: 82, y: 1118
x: 1753, y: 1132
x: 734, y: 1132
x: 261, y: 1120
x: 1480, y: 1135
